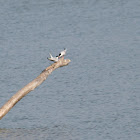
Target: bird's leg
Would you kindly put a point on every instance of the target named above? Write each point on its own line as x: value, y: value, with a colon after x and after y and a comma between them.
x: 61, y: 57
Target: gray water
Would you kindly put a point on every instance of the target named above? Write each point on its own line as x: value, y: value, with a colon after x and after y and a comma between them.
x: 95, y: 97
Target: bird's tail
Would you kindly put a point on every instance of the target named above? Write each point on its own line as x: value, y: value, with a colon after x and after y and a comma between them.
x: 51, y: 55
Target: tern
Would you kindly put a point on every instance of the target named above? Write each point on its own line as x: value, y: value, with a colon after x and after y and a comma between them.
x: 62, y: 53
x: 55, y: 59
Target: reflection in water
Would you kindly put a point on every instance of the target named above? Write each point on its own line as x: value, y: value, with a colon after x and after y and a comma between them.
x: 56, y: 132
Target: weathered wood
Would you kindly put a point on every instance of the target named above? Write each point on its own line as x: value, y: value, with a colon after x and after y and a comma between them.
x: 31, y: 86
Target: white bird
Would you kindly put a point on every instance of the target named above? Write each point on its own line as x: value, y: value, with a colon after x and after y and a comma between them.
x: 55, y: 59
x: 62, y: 53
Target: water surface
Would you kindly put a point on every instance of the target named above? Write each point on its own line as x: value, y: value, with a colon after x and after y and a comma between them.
x: 97, y: 95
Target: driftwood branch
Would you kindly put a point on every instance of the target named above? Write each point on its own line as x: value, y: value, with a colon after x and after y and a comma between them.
x: 31, y: 86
